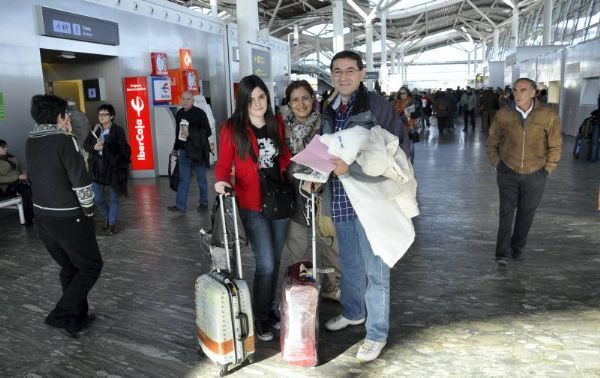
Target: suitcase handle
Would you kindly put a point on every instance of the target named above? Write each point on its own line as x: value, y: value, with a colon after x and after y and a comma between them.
x: 244, y: 324
x: 238, y: 253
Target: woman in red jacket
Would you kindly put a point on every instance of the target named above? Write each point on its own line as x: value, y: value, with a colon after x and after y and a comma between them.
x: 249, y: 141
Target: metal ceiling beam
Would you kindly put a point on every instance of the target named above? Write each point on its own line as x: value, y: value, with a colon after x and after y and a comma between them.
x: 399, y: 14
x: 274, y: 14
x: 481, y: 13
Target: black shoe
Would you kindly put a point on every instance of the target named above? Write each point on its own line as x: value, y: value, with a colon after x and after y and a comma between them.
x: 112, y: 229
x: 175, y: 209
x: 262, y: 330
x: 68, y: 329
x: 274, y: 320
x: 88, y: 320
x: 516, y: 254
x: 202, y: 207
x: 71, y: 332
x: 105, y: 225
x: 502, y: 262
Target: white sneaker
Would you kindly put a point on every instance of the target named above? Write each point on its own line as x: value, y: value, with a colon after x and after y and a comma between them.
x: 369, y: 350
x: 333, y: 295
x: 340, y: 322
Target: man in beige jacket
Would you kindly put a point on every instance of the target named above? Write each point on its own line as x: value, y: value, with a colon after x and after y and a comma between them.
x: 525, y: 146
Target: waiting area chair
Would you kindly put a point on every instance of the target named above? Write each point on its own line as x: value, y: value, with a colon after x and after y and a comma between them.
x: 15, y: 202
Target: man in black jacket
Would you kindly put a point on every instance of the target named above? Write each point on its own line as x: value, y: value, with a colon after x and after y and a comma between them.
x: 63, y: 205
x: 192, y: 130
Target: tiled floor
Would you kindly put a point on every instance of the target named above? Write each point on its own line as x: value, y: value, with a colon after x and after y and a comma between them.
x: 452, y: 314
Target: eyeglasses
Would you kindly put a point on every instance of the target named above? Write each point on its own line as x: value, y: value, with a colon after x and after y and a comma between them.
x: 403, y: 93
x: 349, y: 72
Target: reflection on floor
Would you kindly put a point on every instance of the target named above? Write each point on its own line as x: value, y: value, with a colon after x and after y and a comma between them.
x: 452, y: 313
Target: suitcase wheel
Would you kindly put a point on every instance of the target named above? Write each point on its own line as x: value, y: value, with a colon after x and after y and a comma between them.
x: 222, y: 370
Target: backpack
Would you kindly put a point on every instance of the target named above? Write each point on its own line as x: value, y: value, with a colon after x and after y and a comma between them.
x: 586, y: 128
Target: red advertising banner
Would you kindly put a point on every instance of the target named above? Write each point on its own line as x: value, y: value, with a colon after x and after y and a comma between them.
x: 190, y: 81
x: 159, y: 64
x: 137, y: 108
x: 185, y: 59
x: 176, y: 85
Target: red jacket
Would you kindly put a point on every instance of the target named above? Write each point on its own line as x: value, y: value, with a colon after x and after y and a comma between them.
x: 247, y: 185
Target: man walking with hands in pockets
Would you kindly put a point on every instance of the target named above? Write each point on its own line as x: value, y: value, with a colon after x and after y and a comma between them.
x: 525, y: 146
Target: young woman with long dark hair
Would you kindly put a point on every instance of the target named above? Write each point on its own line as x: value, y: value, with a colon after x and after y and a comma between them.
x: 252, y: 142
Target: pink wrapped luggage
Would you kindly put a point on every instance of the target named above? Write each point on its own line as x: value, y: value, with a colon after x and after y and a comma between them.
x: 299, y: 309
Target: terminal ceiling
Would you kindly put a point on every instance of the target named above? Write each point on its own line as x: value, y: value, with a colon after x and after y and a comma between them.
x: 425, y: 26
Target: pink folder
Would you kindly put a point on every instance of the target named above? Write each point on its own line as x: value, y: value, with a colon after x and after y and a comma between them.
x: 315, y: 156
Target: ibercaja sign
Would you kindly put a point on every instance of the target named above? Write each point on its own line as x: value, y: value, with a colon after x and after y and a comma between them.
x: 138, y: 122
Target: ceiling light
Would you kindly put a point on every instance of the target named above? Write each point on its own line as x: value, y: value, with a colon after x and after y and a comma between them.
x: 67, y: 55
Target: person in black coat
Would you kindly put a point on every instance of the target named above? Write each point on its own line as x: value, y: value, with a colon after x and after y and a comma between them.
x: 63, y: 204
x: 108, y: 164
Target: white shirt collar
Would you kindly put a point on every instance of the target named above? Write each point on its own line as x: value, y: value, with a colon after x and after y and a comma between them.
x: 525, y: 114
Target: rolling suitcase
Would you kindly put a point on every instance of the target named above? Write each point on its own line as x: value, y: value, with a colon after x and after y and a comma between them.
x: 224, y: 320
x: 299, y: 308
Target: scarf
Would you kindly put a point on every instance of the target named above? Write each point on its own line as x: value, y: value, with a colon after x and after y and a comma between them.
x: 44, y: 129
x: 299, y: 134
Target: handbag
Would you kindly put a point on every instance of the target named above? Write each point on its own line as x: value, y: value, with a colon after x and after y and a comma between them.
x: 325, y: 227
x: 173, y: 175
x: 217, y: 239
x: 277, y: 197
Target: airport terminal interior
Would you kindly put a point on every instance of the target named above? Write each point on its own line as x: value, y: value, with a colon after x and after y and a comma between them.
x: 454, y: 311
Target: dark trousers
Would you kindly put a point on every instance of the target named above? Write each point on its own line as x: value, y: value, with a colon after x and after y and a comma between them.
x: 443, y: 123
x: 522, y: 193
x: 466, y: 115
x: 72, y: 244
x: 487, y: 116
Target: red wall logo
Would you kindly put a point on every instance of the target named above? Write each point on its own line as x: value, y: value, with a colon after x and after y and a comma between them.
x: 138, y: 123
x: 159, y: 64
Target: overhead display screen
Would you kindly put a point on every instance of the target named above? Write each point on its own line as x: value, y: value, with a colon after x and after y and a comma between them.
x: 61, y: 24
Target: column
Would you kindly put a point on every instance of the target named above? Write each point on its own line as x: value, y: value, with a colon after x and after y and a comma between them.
x: 475, y: 62
x: 402, y: 71
x: 369, y: 41
x: 393, y: 60
x: 318, y: 49
x: 547, y: 36
x: 483, y: 50
x: 338, y: 25
x: 468, y: 67
x: 514, y: 40
x: 496, y: 44
x: 383, y: 40
x: 247, y: 20
x: 213, y: 8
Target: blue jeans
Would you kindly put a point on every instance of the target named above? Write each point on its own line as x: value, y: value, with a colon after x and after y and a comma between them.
x: 365, y: 280
x: 267, y: 237
x: 185, y: 171
x: 108, y: 211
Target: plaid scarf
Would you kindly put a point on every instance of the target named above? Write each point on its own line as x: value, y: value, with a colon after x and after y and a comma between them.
x: 298, y: 134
